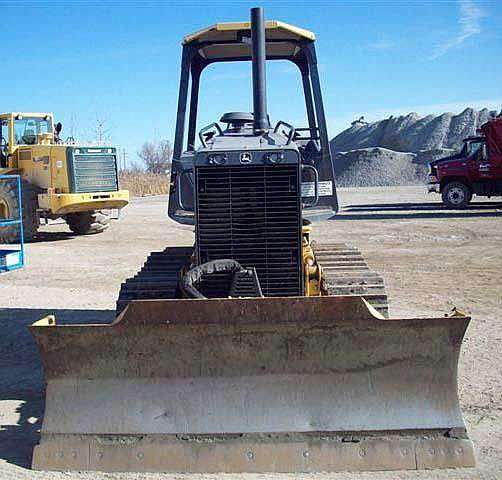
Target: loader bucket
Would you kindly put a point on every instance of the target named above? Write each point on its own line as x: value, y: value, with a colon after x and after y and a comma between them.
x: 252, y: 385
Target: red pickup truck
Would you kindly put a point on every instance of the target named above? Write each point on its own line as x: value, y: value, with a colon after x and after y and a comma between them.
x: 476, y: 170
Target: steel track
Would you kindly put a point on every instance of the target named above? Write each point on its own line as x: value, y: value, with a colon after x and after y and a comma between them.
x: 345, y: 272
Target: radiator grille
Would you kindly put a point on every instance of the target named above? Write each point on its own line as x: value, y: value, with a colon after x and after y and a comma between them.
x: 252, y: 214
x: 94, y: 173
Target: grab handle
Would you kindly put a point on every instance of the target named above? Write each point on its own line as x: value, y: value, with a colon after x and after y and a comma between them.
x: 316, y: 186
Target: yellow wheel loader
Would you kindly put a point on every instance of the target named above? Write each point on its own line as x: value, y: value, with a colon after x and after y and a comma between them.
x: 257, y: 349
x: 77, y: 183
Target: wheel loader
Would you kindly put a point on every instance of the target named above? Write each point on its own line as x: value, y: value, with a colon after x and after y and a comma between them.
x: 257, y: 349
x: 59, y: 179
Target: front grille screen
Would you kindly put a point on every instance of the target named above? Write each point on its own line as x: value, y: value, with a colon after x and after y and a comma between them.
x: 252, y: 214
x: 94, y: 173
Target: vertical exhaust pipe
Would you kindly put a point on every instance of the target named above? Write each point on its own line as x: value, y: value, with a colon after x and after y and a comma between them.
x: 261, y: 124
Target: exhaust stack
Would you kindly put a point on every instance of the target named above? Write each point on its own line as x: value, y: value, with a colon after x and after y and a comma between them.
x: 261, y: 124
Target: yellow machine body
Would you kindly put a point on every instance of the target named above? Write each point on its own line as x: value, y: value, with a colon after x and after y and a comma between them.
x: 43, y: 162
x: 312, y: 269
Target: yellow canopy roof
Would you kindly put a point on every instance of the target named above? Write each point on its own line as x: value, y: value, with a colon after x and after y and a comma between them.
x: 227, y: 41
x: 222, y: 32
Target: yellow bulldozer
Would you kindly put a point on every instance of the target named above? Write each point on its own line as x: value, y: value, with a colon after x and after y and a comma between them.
x: 59, y: 179
x: 257, y: 349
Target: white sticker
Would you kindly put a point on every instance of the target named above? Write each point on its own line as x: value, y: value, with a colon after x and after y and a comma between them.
x: 12, y: 259
x: 325, y: 189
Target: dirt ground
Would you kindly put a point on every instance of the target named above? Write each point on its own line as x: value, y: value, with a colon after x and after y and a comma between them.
x: 432, y: 260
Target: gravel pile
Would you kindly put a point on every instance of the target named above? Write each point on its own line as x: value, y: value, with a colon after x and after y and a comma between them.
x: 396, y: 150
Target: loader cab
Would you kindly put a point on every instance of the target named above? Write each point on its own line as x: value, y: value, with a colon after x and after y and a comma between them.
x: 24, y: 129
x: 33, y: 129
x: 235, y: 131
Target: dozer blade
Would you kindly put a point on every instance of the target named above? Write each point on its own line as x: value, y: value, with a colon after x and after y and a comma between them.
x: 252, y: 385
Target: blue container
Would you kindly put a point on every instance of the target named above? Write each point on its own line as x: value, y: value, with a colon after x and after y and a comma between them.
x: 12, y: 255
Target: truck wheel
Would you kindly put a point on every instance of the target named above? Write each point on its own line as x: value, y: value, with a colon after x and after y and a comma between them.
x: 9, y: 209
x: 88, y: 223
x: 456, y: 195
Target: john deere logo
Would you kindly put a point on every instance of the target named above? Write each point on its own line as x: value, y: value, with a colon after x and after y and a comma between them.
x: 246, y: 158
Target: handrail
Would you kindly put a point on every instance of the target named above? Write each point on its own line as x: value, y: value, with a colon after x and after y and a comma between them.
x: 292, y: 130
x: 206, y: 129
x: 316, y: 186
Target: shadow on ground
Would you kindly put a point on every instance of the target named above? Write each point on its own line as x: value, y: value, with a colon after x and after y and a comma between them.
x: 389, y: 211
x: 21, y: 379
x: 51, y: 237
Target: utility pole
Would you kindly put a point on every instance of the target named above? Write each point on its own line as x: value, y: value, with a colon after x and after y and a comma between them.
x: 101, y: 132
x: 124, y: 159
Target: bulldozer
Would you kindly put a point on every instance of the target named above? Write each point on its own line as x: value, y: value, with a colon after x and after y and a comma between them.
x: 257, y: 349
x: 60, y: 179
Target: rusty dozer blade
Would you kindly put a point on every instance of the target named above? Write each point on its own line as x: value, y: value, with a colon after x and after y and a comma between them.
x: 252, y: 385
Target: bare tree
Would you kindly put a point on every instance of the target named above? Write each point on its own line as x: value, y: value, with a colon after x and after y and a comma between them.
x: 156, y: 156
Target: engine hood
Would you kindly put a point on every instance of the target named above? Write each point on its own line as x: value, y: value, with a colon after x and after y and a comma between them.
x: 450, y: 158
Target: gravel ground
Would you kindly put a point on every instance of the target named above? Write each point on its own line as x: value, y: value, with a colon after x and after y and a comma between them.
x: 432, y: 260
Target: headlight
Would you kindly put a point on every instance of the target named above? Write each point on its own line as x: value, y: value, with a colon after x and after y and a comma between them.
x: 217, y: 159
x: 274, y: 157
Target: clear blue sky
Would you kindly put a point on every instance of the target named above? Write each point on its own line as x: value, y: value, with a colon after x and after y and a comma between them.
x: 119, y: 61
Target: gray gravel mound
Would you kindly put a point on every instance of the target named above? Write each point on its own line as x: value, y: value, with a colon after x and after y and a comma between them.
x: 374, y: 167
x: 396, y: 150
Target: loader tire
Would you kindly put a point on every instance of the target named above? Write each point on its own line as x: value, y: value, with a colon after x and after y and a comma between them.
x: 456, y: 195
x: 88, y: 223
x: 9, y: 208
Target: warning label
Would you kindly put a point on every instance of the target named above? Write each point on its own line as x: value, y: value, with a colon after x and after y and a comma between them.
x: 325, y: 189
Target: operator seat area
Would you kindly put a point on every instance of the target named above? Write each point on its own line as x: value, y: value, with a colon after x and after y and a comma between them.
x: 29, y: 137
